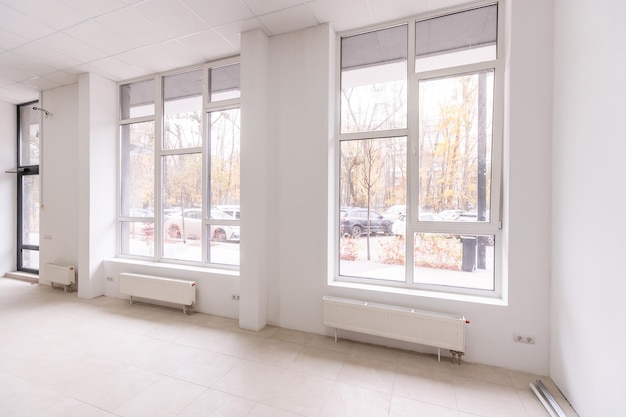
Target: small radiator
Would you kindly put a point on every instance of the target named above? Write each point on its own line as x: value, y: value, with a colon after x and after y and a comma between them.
x: 443, y: 331
x: 170, y: 290
x: 60, y: 274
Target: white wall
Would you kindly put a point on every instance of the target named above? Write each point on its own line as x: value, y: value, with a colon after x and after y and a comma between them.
x: 59, y: 177
x: 256, y: 184
x: 97, y: 180
x: 301, y: 69
x: 589, y: 244
x: 299, y: 109
x: 8, y: 187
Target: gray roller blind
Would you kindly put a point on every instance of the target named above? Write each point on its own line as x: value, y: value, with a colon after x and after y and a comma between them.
x: 187, y: 84
x: 374, y: 48
x: 225, y: 78
x: 459, y: 31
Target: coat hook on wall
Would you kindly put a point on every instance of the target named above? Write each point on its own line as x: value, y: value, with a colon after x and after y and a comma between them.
x: 46, y: 112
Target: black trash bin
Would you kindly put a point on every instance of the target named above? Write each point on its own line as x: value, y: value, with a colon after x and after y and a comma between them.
x: 468, y: 262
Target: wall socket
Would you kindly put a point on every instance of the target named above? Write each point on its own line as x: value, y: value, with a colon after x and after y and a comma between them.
x: 235, y: 297
x: 520, y: 338
x: 110, y: 279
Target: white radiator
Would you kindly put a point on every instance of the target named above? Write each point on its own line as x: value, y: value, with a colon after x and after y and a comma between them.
x: 60, y: 274
x: 170, y: 290
x: 443, y: 331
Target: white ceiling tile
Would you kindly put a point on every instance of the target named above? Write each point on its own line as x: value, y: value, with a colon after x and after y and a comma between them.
x: 52, y: 12
x: 405, y: 8
x: 218, y: 12
x: 288, y: 20
x: 20, y: 93
x: 22, y: 25
x: 209, y: 45
x: 93, y: 8
x: 343, y: 15
x: 42, y: 83
x: 9, y: 40
x: 63, y: 77
x: 261, y: 7
x: 15, y: 74
x: 111, y: 68
x: 98, y: 36
x: 130, y: 25
x: 46, y: 55
x: 233, y: 31
x: 170, y: 16
x: 64, y: 43
x: 26, y: 64
x: 161, y: 57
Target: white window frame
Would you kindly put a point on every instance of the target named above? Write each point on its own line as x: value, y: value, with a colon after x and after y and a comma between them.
x: 493, y: 227
x: 157, y: 118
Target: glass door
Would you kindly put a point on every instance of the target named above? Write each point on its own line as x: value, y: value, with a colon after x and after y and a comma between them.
x: 28, y: 189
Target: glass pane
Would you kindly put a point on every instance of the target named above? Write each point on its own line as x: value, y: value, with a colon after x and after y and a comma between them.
x: 224, y: 181
x: 30, y: 210
x: 373, y: 80
x: 456, y: 122
x: 373, y: 174
x: 455, y: 261
x: 137, y: 238
x: 225, y: 82
x: 456, y: 39
x: 30, y: 259
x: 182, y: 206
x: 137, y: 170
x: 182, y: 110
x: 223, y: 247
x: 29, y: 135
x: 137, y: 99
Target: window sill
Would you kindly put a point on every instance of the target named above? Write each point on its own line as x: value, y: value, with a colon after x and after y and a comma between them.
x: 178, y: 267
x: 496, y: 301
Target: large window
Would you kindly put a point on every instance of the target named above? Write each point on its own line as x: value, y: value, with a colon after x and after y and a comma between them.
x: 419, y: 140
x: 179, y: 167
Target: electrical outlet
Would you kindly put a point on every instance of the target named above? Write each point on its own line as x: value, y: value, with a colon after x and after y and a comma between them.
x: 110, y: 279
x: 235, y: 297
x: 520, y: 338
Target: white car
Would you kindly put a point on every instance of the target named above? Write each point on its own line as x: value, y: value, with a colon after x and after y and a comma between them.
x: 192, y: 222
x: 398, y: 227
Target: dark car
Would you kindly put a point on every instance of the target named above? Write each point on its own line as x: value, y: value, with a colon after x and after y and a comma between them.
x: 353, y: 222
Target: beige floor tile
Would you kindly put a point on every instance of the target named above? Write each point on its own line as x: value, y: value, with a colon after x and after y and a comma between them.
x: 218, y: 404
x: 425, y: 385
x: 299, y: 393
x: 425, y: 361
x: 248, y: 379
x: 205, y: 368
x: 404, y: 407
x: 168, y: 397
x: 319, y: 362
x: 275, y: 352
x: 488, y: 399
x: 483, y: 373
x: 349, y: 400
x: 73, y: 408
x: 262, y: 410
x: 20, y: 398
x: 293, y: 336
x: 369, y: 373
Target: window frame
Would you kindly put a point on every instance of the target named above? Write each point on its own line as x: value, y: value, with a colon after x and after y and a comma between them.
x: 160, y: 151
x: 413, y: 224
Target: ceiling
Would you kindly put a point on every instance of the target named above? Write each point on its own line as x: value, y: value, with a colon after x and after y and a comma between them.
x: 45, y: 44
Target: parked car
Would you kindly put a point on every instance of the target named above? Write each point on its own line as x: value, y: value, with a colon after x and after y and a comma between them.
x: 193, y: 224
x: 353, y: 222
x: 399, y: 226
x: 394, y: 212
x: 451, y: 215
x: 231, y: 210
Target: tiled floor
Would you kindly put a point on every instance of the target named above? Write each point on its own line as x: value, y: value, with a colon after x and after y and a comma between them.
x: 61, y: 356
